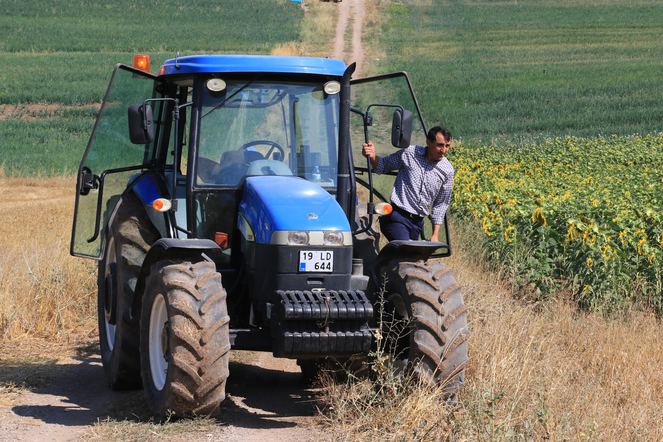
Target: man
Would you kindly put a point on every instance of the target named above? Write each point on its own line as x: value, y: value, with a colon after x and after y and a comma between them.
x: 422, y: 187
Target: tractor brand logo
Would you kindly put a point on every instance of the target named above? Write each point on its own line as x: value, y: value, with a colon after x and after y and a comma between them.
x: 312, y: 216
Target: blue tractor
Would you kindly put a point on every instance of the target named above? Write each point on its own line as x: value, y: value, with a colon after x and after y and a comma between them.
x: 234, y: 211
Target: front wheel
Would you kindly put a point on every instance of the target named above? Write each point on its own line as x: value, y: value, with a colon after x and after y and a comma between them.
x: 432, y: 339
x: 184, y: 339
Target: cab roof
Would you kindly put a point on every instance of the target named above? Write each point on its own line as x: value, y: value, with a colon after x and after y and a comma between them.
x: 195, y: 64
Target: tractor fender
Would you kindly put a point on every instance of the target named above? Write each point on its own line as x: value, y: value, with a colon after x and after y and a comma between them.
x: 404, y: 251
x: 171, y: 248
x: 147, y: 187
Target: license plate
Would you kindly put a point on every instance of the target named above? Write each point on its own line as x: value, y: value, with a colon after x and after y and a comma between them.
x: 316, y: 261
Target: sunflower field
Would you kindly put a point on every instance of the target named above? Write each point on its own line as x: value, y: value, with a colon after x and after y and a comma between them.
x: 578, y: 213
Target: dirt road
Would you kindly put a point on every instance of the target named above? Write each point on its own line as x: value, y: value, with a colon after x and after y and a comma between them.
x: 351, y: 12
x: 56, y: 391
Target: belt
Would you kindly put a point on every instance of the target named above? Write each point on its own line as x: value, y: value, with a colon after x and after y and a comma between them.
x: 406, y: 214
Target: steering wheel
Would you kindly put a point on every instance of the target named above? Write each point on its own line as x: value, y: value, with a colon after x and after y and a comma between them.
x: 272, y: 145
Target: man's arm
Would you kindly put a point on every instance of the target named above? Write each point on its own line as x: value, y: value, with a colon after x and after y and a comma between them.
x: 368, y: 149
x: 436, y: 233
x: 386, y: 164
x: 440, y: 206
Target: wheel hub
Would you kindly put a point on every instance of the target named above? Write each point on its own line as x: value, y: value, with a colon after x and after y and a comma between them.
x: 110, y: 294
x: 158, y: 342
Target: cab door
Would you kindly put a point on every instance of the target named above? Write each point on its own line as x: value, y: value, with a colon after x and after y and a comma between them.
x: 380, y: 95
x: 110, y: 160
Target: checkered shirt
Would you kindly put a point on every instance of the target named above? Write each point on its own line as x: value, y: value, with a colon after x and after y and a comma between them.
x: 422, y: 187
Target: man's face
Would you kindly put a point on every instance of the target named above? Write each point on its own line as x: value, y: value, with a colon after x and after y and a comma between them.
x: 438, y: 148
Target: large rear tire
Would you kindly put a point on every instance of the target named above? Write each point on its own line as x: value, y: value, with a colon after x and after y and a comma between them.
x: 185, y: 339
x: 127, y: 243
x: 424, y: 296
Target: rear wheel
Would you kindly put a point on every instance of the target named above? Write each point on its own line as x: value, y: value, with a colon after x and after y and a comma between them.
x: 127, y: 243
x: 185, y: 339
x: 432, y: 336
x: 118, y: 336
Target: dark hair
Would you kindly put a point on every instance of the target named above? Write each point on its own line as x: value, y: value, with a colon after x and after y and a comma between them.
x: 433, y: 131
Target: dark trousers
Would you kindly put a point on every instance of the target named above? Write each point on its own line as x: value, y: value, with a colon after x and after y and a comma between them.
x: 399, y: 225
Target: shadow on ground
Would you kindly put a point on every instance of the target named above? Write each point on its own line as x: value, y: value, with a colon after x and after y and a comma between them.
x: 266, y: 395
x: 75, y: 394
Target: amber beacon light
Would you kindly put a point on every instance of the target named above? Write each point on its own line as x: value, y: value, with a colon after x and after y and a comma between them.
x: 142, y: 62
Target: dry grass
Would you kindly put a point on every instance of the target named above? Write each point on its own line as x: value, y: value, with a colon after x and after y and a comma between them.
x: 389, y: 406
x: 318, y: 29
x: 39, y: 111
x: 44, y: 292
x: 186, y: 430
x: 288, y: 49
x: 317, y: 32
x: 373, y: 24
x: 537, y: 372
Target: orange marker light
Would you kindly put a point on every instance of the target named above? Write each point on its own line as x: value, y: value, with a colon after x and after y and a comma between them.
x: 142, y: 62
x: 161, y: 205
x: 221, y: 238
x: 383, y: 208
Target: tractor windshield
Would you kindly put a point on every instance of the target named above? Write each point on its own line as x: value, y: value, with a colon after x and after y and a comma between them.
x: 267, y: 128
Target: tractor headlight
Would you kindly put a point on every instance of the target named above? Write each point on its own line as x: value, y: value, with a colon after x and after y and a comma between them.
x: 333, y: 238
x: 298, y: 238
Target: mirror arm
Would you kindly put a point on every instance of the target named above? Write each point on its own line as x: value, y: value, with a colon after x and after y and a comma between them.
x: 176, y: 123
x: 176, y: 117
x: 369, y: 169
x: 368, y: 121
x: 176, y: 160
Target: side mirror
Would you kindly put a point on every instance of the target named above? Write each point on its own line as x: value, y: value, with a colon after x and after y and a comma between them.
x: 401, y: 128
x: 141, y: 127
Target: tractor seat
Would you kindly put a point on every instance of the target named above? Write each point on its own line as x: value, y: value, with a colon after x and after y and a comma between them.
x: 234, y: 166
x: 240, y: 157
x: 268, y: 167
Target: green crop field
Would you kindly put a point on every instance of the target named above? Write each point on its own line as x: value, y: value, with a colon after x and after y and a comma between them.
x: 523, y: 70
x: 63, y: 52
